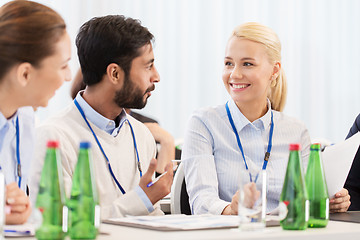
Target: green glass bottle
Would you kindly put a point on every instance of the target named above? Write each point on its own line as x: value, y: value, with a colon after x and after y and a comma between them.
x: 51, y: 197
x: 294, y: 194
x: 84, y: 202
x: 317, y: 189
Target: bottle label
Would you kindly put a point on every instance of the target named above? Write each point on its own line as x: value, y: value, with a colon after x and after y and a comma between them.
x: 307, y: 210
x: 283, y: 210
x: 327, y: 208
x: 97, y: 216
x: 65, y: 212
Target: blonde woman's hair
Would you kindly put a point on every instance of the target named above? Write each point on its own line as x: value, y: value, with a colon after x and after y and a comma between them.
x: 259, y: 33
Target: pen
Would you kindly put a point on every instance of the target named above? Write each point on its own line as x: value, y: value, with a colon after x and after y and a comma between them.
x: 156, y: 179
x: 17, y: 231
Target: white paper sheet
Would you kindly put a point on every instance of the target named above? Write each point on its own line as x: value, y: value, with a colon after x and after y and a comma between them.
x: 177, y: 222
x: 24, y: 230
x: 337, y: 160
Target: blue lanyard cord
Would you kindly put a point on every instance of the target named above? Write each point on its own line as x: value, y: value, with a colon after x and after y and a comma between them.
x: 103, y: 152
x: 18, y: 151
x: 267, y: 154
x: 135, y: 146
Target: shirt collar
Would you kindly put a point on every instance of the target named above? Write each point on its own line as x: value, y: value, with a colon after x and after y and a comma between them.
x: 3, y: 121
x: 5, y: 124
x: 266, y: 119
x: 99, y: 120
x: 241, y: 121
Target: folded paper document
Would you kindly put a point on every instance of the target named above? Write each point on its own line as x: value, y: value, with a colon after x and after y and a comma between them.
x: 337, y: 160
x: 177, y: 222
x: 23, y: 230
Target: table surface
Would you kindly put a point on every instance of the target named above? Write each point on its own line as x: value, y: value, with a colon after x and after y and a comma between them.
x: 335, y: 230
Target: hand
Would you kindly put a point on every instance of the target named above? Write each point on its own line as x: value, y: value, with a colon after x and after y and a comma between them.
x: 232, y: 208
x: 162, y: 187
x: 341, y: 201
x: 18, y: 203
x: 251, y: 195
x: 234, y: 205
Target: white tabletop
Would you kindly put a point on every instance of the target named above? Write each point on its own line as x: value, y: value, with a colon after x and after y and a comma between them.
x: 334, y: 230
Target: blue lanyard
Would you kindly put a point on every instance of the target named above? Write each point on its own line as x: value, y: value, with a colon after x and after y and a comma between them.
x: 103, y: 152
x: 18, y: 151
x: 267, y: 154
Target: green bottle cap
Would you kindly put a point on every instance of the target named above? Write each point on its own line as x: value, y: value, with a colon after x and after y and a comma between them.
x: 315, y: 146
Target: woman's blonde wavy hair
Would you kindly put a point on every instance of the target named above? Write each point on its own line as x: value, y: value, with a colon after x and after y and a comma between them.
x: 259, y: 33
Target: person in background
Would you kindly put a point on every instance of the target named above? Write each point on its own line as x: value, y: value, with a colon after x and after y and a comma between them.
x: 165, y: 153
x: 34, y: 55
x: 221, y: 140
x: 117, y: 63
x: 353, y: 180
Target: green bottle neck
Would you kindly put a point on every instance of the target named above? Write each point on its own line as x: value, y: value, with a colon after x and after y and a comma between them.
x: 294, y: 158
x: 315, y: 177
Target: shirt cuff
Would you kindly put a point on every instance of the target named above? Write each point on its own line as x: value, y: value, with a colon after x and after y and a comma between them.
x: 144, y: 198
x: 218, y: 207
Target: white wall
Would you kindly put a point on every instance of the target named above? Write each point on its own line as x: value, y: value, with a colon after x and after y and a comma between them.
x: 320, y: 55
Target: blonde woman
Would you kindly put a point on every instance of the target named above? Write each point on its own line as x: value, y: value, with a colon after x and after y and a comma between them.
x: 249, y: 128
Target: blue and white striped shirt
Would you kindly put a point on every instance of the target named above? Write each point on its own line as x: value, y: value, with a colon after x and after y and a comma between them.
x: 212, y: 159
x: 8, y: 158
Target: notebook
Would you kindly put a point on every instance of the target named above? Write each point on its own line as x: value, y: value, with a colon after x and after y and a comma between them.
x: 350, y: 216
